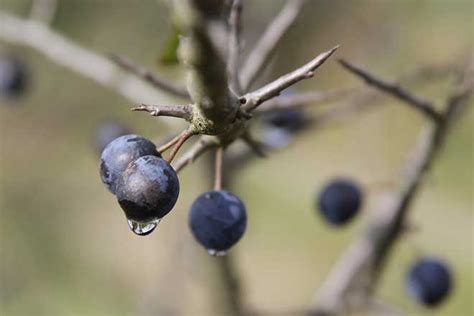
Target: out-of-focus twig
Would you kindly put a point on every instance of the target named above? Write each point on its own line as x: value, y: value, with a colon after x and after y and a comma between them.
x: 252, y: 100
x: 68, y: 54
x: 267, y: 44
x: 354, y: 277
x: 419, y: 103
x: 302, y: 99
x: 151, y: 77
x: 200, y: 147
x: 256, y: 146
x: 44, y: 11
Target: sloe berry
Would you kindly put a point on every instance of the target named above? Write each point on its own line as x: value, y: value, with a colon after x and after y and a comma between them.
x: 217, y: 220
x: 119, y: 153
x: 429, y: 281
x: 148, y: 189
x: 340, y: 201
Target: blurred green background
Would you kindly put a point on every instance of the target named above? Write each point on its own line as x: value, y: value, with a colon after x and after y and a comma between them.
x: 66, y: 248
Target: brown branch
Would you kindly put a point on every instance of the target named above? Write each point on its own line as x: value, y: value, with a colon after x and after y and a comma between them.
x: 253, y: 99
x: 267, y: 44
x: 200, y: 147
x: 234, y: 45
x: 353, y: 279
x: 425, y: 106
x: 154, y: 79
x: 184, y: 111
x: 204, y: 29
x: 181, y: 139
x: 169, y: 143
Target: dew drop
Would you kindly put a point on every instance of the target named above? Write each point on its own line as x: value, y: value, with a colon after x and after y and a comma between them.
x: 143, y: 229
x: 216, y: 253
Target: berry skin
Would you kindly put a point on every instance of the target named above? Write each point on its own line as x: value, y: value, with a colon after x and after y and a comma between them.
x: 148, y: 189
x: 340, y: 201
x: 107, y: 132
x: 217, y: 220
x: 119, y: 153
x: 429, y: 281
x: 13, y: 77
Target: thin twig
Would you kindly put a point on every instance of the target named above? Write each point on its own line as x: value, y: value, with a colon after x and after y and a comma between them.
x: 184, y: 111
x: 253, y: 99
x: 234, y: 45
x: 354, y: 277
x: 425, y: 106
x: 196, y: 150
x: 267, y: 44
x: 302, y: 99
x: 44, y: 11
x: 169, y: 143
x: 68, y: 54
x: 218, y: 168
x: 151, y: 77
x: 228, y: 286
x: 182, y: 138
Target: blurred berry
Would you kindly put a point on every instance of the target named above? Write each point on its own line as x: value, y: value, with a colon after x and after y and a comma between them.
x: 108, y: 131
x: 429, y: 281
x: 13, y: 77
x: 290, y: 119
x: 280, y: 126
x: 339, y: 201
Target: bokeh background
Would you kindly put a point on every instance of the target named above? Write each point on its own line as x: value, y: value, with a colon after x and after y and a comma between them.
x: 66, y: 248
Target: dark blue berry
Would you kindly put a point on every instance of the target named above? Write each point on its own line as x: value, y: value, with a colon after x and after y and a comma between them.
x: 340, y: 201
x: 289, y: 119
x: 107, y: 132
x: 13, y: 77
x: 119, y: 153
x: 429, y: 281
x: 217, y: 220
x: 148, y: 189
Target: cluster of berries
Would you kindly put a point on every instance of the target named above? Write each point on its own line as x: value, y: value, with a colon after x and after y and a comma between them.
x: 147, y: 188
